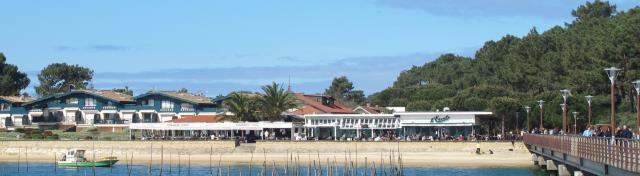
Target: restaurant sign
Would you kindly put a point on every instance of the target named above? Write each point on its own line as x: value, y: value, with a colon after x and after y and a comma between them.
x: 438, y: 119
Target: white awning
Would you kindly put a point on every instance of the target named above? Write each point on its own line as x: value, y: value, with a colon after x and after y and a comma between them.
x: 210, y: 126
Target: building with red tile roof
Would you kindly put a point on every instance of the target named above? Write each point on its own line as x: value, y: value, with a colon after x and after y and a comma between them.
x: 320, y: 104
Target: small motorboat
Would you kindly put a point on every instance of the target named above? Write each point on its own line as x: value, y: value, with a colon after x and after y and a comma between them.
x: 75, y: 158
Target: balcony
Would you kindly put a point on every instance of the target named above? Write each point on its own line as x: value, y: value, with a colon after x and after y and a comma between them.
x: 166, y: 110
x: 186, y: 109
x: 109, y: 108
x: 35, y: 110
x: 89, y: 108
x: 62, y: 105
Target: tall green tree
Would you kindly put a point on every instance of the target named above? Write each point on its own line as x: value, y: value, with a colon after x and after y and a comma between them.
x: 124, y: 90
x: 340, y: 86
x: 342, y: 89
x: 11, y: 79
x: 60, y: 77
x: 274, y: 101
x: 242, y: 106
x: 503, y: 107
x: 595, y: 9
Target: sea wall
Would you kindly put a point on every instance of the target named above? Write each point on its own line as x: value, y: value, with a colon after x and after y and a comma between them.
x: 420, y: 146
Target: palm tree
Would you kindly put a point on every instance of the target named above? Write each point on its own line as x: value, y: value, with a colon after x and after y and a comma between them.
x: 274, y: 101
x: 241, y: 105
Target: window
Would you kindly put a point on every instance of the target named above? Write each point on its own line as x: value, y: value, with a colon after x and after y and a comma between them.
x: 147, y: 102
x: 166, y: 104
x: 72, y: 101
x: 89, y: 102
x: 186, y: 106
x: 4, y: 107
x: 109, y: 103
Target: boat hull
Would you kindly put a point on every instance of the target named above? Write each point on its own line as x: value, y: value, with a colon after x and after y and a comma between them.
x: 103, y: 163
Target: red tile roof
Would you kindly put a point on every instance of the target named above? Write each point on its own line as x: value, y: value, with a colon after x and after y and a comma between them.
x: 16, y: 99
x: 198, y: 119
x: 318, y: 107
x: 306, y: 110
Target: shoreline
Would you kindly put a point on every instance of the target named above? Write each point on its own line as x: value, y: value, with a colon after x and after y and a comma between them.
x: 414, y: 154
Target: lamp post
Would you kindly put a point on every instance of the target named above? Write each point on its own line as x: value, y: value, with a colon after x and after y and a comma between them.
x: 575, y: 122
x: 528, y: 109
x: 589, y: 99
x: 564, y: 113
x: 565, y: 108
x: 612, y: 73
x: 541, y: 104
x: 636, y: 84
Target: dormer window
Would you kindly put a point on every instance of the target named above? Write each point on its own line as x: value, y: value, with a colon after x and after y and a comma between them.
x: 5, y: 107
x: 72, y: 101
x: 186, y: 106
x: 166, y: 104
x: 147, y: 102
x: 89, y: 102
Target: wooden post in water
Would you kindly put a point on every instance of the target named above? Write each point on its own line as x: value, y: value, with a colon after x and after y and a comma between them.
x: 26, y: 158
x: 111, y: 160
x: 19, y: 150
x: 210, y: 168
x: 55, y: 160
x: 150, y: 159
x: 189, y: 169
x: 170, y: 158
x: 93, y: 148
x: 219, y: 163
x: 250, y: 164
x: 179, y: 163
x: 130, y: 165
x: 161, y: 158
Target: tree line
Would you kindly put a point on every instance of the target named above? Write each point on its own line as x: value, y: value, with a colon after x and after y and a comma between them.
x: 513, y: 72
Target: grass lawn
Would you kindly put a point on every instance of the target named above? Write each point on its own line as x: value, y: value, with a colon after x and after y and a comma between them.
x: 88, y: 134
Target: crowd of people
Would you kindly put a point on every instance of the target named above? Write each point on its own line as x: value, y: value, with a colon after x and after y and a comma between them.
x: 623, y: 132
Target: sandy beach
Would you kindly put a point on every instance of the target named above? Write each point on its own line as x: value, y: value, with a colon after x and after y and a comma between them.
x: 429, y: 154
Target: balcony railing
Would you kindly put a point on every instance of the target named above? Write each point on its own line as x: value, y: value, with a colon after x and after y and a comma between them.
x: 109, y: 108
x: 89, y: 107
x: 35, y: 110
x: 187, y: 109
x: 166, y: 110
x: 620, y: 153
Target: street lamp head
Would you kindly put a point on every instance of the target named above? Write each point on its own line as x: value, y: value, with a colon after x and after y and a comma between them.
x: 589, y: 98
x: 565, y: 94
x: 575, y: 114
x: 636, y: 84
x: 541, y: 103
x: 527, y: 108
x: 612, y: 73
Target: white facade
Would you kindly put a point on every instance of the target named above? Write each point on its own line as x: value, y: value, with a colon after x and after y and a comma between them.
x: 393, y: 121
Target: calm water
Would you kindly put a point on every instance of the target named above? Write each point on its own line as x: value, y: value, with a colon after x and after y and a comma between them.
x: 36, y: 169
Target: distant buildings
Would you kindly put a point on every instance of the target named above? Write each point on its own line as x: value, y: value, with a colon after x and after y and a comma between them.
x: 12, y: 113
x: 170, y: 114
x: 109, y: 109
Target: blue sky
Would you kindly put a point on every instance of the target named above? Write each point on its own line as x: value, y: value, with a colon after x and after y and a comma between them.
x: 221, y: 46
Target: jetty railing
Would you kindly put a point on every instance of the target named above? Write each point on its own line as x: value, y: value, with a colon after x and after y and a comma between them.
x: 618, y: 152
